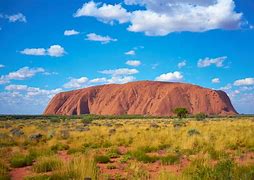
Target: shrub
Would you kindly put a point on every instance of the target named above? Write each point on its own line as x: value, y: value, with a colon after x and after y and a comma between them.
x: 46, y: 164
x: 200, y: 116
x: 216, y: 155
x: 111, y: 166
x: 125, y: 158
x: 143, y: 157
x: 59, y: 147
x: 113, y: 153
x: 38, y: 177
x: 244, y: 172
x: 193, y: 132
x: 20, y: 160
x: 181, y: 112
x: 199, y: 169
x: 102, y: 159
x: 148, y: 149
x: 178, y: 123
x: 224, y: 169
x: 170, y: 159
x: 4, y: 171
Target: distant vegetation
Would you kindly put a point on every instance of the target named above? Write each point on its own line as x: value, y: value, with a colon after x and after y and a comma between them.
x: 57, y: 118
x: 181, y: 112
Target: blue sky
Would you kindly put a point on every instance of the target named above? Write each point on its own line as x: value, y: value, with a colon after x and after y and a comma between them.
x: 51, y: 46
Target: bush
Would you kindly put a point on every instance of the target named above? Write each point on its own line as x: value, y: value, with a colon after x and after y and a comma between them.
x: 170, y: 159
x: 111, y: 166
x: 38, y: 177
x: 200, y: 116
x: 125, y: 158
x: 193, y: 132
x: 20, y: 160
x: 224, y: 169
x: 46, y: 164
x: 143, y: 157
x: 113, y: 153
x: 4, y: 171
x: 102, y: 159
x: 80, y: 167
x: 199, y: 169
x: 181, y: 112
x: 59, y: 147
x: 178, y: 123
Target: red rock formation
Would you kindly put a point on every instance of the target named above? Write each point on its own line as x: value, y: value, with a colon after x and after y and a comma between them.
x: 143, y: 97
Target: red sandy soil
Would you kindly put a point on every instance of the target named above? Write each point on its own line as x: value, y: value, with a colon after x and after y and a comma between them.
x: 247, y: 158
x: 20, y: 173
x: 121, y: 168
x: 64, y: 156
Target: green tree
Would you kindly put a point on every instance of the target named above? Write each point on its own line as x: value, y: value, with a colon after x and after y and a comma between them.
x: 181, y: 112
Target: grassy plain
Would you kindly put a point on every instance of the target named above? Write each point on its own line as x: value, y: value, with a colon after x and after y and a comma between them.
x: 126, y: 147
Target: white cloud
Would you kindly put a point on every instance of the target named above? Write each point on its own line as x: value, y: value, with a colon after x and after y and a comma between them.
x: 227, y: 87
x: 3, y: 80
x: 120, y: 71
x: 120, y: 79
x: 113, y: 80
x: 218, y: 62
x: 76, y: 83
x: 99, y: 38
x: 17, y: 98
x: 182, y: 64
x: 98, y: 80
x: 21, y: 74
x: 171, y: 76
x: 70, y: 32
x: 244, y: 82
x: 14, y: 18
x: 133, y: 63
x: 83, y: 82
x: 131, y: 52
x: 34, y: 51
x: 215, y: 80
x: 105, y: 13
x: 166, y: 16
x: 161, y: 17
x: 54, y: 51
x: 24, y: 73
x: 2, y: 66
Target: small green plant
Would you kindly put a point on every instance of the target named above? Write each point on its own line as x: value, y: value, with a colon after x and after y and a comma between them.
x: 4, y: 171
x: 46, y: 164
x: 102, y: 159
x: 111, y: 166
x: 224, y: 169
x: 59, y: 147
x: 170, y: 159
x: 181, y: 112
x: 143, y: 157
x: 125, y: 158
x: 178, y: 123
x: 200, y: 116
x: 193, y: 132
x: 38, y: 177
x: 20, y: 160
x: 113, y: 153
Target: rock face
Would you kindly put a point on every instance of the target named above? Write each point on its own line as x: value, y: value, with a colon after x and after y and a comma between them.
x: 143, y: 98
